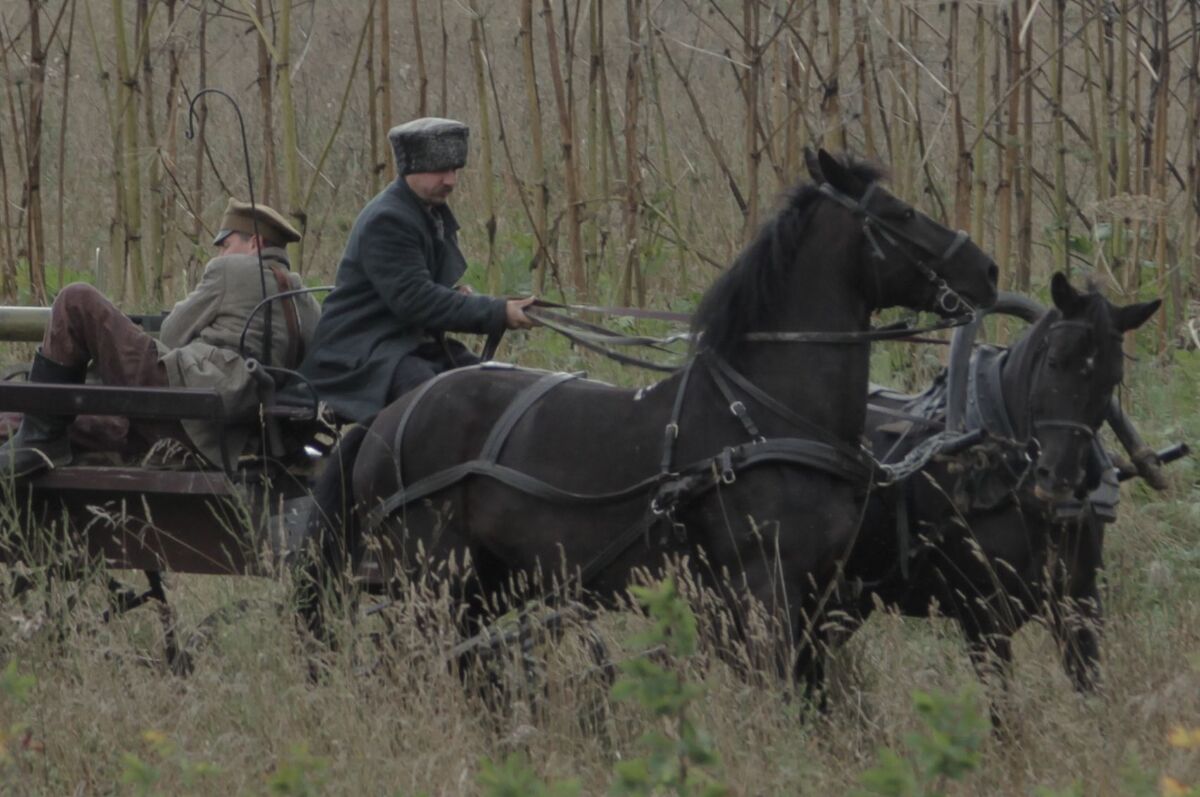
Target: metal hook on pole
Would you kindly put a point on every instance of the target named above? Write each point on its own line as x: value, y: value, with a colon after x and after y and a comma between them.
x: 189, y: 134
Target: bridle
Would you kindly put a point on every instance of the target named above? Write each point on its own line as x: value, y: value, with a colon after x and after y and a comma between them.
x: 875, y: 227
x: 1075, y: 427
x: 957, y: 309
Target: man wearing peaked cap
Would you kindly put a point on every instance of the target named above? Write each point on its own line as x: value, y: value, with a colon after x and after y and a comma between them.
x: 383, y: 328
x: 242, y: 217
x: 198, y: 346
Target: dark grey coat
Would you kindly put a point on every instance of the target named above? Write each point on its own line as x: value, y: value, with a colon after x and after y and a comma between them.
x: 393, y: 291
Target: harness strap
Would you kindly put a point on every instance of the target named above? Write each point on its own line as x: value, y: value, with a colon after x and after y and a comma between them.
x: 737, y: 407
x: 417, y: 396
x: 671, y: 430
x: 295, y: 341
x: 795, y: 451
x: 774, y: 405
x: 519, y: 406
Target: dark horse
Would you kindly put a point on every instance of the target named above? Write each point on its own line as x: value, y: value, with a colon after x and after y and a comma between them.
x: 746, y: 464
x: 983, y: 539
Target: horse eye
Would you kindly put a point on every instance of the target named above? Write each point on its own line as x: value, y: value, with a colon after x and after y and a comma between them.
x: 909, y: 214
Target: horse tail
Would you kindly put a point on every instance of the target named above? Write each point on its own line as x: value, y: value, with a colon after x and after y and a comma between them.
x: 331, y: 531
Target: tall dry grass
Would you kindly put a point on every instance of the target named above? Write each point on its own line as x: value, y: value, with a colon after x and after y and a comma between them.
x: 104, y: 718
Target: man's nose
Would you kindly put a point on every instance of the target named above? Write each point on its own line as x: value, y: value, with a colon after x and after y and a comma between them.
x: 450, y: 178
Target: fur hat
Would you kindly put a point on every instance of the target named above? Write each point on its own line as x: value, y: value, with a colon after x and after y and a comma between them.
x: 273, y: 228
x: 429, y: 145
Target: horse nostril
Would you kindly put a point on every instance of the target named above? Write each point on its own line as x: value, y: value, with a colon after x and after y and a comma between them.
x: 993, y: 273
x: 1043, y: 473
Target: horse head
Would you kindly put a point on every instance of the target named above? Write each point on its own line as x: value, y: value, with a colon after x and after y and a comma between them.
x: 913, y: 261
x: 1081, y: 362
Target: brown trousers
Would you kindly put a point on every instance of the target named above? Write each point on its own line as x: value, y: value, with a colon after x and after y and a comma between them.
x: 86, y: 328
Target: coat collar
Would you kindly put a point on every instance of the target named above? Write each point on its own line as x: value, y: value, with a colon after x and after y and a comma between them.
x: 401, y: 189
x: 277, y: 254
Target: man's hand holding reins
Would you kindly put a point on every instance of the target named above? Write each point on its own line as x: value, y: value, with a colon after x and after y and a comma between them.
x: 514, y: 311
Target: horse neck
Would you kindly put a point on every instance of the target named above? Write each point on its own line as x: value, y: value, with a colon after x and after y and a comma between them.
x: 826, y: 383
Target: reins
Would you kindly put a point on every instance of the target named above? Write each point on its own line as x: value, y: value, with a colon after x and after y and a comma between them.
x: 598, y: 339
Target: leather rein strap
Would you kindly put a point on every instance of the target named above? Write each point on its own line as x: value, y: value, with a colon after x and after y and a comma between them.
x: 295, y: 341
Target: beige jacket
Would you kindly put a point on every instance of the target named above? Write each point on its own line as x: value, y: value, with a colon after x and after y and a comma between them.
x: 198, y: 343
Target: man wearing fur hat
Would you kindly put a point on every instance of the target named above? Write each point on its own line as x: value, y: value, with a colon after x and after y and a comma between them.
x: 197, y: 345
x: 382, y: 329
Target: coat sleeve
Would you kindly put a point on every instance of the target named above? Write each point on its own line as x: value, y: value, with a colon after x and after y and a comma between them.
x: 394, y: 261
x: 189, y: 317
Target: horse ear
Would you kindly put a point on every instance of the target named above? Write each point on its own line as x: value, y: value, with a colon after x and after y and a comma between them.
x: 814, y: 165
x: 1132, y: 316
x: 1065, y: 297
x: 837, y: 175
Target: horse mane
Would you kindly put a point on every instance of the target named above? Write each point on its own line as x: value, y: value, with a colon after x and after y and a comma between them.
x: 748, y: 292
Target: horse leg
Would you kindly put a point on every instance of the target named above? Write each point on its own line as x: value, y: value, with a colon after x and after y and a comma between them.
x: 1077, y: 615
x: 329, y: 540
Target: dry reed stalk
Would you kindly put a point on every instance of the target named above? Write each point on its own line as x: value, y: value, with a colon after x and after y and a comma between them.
x: 155, y: 220
x: 1061, y: 241
x: 133, y: 277
x: 1192, y: 188
x: 979, y: 219
x: 665, y: 161
x: 445, y: 58
x: 8, y: 260
x: 905, y: 102
x: 269, y: 187
x: 862, y: 42
x: 9, y: 252
x: 1122, y: 142
x: 1008, y: 168
x: 385, y: 34
x: 167, y: 289
x: 895, y: 132
x: 631, y: 273
x: 541, y: 191
x: 1099, y: 130
x: 479, y: 62
x: 569, y: 145
x: 296, y: 207
x: 63, y: 128
x: 793, y: 140
x: 110, y: 278
x: 31, y: 194
x: 831, y: 97
x: 1168, y: 286
x: 384, y: 99
x: 750, y: 76
x: 373, y: 123
x: 596, y: 181
x: 201, y: 141
x: 1023, y: 188
x: 963, y: 162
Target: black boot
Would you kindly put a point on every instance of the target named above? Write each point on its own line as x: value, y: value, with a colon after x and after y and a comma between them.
x: 41, y: 442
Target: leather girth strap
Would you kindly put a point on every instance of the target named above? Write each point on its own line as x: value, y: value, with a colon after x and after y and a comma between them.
x: 295, y: 341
